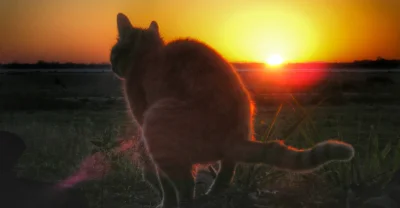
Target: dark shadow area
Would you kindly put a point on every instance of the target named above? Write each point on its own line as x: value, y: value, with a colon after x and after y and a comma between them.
x: 19, y: 192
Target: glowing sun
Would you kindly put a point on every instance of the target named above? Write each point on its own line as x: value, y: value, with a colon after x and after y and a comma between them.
x: 274, y: 60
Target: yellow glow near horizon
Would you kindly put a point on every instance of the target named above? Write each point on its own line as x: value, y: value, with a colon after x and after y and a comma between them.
x: 240, y: 30
x: 274, y: 60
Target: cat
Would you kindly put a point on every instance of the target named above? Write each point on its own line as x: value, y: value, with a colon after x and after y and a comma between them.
x: 193, y: 108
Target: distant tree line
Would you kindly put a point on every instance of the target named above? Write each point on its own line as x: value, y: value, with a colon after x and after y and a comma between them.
x: 379, y: 63
x: 54, y: 65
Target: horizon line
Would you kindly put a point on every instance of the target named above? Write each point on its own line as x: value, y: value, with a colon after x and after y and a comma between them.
x: 233, y: 62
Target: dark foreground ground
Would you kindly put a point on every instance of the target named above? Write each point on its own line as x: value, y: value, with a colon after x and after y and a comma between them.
x: 58, y: 122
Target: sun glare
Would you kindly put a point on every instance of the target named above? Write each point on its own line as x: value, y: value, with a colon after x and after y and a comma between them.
x: 274, y: 60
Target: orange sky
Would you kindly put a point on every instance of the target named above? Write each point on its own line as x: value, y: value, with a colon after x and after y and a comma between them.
x: 242, y: 30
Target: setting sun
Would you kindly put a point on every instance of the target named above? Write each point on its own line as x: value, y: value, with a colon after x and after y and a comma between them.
x: 244, y: 31
x: 274, y: 60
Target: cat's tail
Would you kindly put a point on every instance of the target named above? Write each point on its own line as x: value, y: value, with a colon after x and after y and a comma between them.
x: 281, y: 156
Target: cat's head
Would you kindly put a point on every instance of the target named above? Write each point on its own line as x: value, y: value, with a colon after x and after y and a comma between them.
x: 132, y: 44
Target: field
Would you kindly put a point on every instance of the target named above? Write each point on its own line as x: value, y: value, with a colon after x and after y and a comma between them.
x: 72, y: 90
x: 58, y: 119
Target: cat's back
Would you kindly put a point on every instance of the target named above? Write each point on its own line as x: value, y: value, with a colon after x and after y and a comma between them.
x: 195, y: 54
x: 191, y: 69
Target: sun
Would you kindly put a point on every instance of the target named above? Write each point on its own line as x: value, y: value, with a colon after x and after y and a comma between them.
x: 274, y: 60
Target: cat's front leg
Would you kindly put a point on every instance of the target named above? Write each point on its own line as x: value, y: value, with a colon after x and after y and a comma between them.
x: 204, y: 177
x: 149, y: 169
x: 149, y: 172
x: 178, y: 186
x: 224, y: 177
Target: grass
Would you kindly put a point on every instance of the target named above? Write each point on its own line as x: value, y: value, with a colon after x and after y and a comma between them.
x: 58, y: 133
x: 377, y: 146
x: 59, y: 140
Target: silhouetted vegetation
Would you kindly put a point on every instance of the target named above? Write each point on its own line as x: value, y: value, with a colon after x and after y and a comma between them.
x: 55, y: 65
x: 379, y: 63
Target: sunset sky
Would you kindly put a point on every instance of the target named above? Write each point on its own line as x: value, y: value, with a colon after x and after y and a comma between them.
x: 242, y: 30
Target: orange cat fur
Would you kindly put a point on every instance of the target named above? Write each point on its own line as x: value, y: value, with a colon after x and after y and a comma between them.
x: 193, y: 108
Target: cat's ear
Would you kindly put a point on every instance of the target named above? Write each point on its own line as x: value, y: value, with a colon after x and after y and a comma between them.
x: 123, y: 24
x: 154, y: 27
